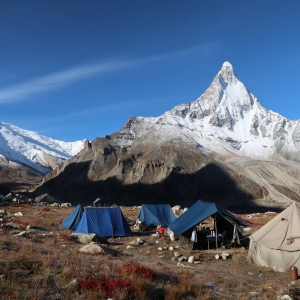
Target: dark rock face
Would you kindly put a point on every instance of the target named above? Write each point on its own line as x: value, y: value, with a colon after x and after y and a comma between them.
x: 169, y: 174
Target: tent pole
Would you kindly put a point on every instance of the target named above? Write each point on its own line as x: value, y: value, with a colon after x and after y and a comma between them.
x: 216, y: 231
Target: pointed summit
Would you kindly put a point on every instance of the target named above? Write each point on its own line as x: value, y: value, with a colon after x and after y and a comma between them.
x: 227, y: 72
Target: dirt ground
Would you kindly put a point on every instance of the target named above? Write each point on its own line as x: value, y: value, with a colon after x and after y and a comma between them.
x: 46, y: 241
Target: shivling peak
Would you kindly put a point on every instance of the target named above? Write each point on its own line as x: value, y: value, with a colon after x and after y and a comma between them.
x: 227, y: 72
x: 227, y: 64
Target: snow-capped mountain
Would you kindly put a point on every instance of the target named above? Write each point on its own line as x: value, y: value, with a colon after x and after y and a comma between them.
x: 20, y: 146
x: 222, y: 147
x: 227, y: 118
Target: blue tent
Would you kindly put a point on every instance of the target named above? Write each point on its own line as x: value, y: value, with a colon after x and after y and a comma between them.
x: 200, y: 211
x: 105, y: 222
x: 156, y: 214
x: 72, y: 220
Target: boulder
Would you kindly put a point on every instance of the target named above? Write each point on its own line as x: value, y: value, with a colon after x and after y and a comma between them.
x: 86, y: 238
x: 191, y: 259
x: 92, y: 249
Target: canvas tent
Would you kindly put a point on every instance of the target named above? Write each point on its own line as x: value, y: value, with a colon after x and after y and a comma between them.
x: 72, y: 220
x: 156, y: 214
x: 105, y: 222
x: 276, y: 245
x: 200, y: 211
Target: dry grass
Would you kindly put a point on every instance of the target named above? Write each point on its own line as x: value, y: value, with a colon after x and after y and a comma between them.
x: 46, y: 264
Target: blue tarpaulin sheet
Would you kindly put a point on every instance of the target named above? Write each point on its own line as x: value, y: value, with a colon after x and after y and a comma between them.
x: 105, y: 222
x: 198, y: 213
x: 156, y: 214
x: 72, y: 220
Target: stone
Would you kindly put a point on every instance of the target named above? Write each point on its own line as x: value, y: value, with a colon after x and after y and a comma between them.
x: 217, y: 256
x: 225, y: 255
x: 21, y: 233
x: 176, y: 254
x: 129, y: 247
x: 191, y: 259
x: 92, y: 249
x: 86, y: 238
x: 12, y: 225
x: 18, y: 214
x: 160, y: 248
x: 171, y: 248
x: 182, y: 258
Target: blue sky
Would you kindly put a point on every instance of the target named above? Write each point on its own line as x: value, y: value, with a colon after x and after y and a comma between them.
x: 74, y: 70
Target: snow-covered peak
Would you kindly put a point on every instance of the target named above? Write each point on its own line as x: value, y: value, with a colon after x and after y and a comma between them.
x: 226, y: 74
x: 226, y: 117
x: 227, y: 64
x: 34, y: 150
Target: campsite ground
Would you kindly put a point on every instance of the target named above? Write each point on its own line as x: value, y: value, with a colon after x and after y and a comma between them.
x: 45, y: 263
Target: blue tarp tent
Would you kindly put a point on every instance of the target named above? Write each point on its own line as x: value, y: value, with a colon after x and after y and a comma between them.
x: 72, y: 220
x: 200, y: 211
x: 156, y: 214
x: 105, y: 222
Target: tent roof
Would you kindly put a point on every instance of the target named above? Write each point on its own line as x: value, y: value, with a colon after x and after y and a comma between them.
x: 72, y: 220
x: 156, y: 214
x: 197, y: 213
x: 104, y: 222
x: 275, y: 233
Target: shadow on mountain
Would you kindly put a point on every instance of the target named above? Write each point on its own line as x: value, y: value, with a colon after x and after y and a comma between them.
x: 211, y: 183
x: 250, y: 209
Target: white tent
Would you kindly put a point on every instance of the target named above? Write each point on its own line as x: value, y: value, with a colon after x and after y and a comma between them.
x: 276, y: 245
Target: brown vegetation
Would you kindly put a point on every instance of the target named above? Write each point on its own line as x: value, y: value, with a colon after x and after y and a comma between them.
x: 45, y: 263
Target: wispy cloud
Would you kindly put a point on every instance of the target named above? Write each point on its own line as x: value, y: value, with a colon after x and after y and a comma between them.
x: 60, y: 79
x: 57, y: 80
x: 104, y: 109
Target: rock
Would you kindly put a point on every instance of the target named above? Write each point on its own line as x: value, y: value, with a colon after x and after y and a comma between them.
x: 217, y: 256
x: 165, y: 248
x: 225, y: 255
x: 171, y: 248
x: 92, y: 249
x: 286, y: 297
x: 66, y: 205
x: 182, y: 258
x: 86, y: 238
x: 175, y: 208
x: 191, y: 259
x: 129, y: 247
x: 18, y: 214
x: 160, y: 248
x: 176, y: 254
x: 140, y: 241
x: 21, y: 233
x: 181, y: 265
x: 12, y: 225
x: 73, y: 283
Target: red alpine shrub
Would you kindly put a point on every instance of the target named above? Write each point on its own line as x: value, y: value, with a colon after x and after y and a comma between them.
x: 104, y: 284
x: 137, y: 269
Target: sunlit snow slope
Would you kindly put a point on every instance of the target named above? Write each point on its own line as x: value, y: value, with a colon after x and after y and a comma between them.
x: 19, y: 146
x: 226, y: 118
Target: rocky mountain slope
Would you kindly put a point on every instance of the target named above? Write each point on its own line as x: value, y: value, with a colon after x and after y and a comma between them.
x: 223, y: 147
